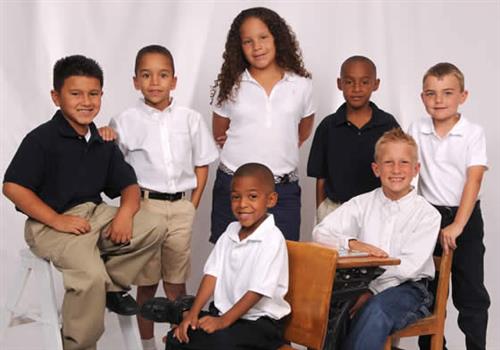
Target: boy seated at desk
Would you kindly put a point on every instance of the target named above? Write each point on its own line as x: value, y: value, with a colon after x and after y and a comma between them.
x: 389, y: 221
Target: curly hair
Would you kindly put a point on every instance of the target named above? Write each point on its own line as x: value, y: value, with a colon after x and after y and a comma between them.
x: 288, y: 54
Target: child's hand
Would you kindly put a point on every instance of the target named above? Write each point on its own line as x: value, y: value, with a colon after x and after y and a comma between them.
x: 367, y: 248
x: 211, y: 324
x: 448, y: 236
x: 107, y: 133
x: 70, y: 224
x: 221, y: 140
x: 120, y: 230
x: 362, y: 299
x: 182, y: 330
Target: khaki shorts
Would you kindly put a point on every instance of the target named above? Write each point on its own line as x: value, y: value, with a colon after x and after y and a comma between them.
x: 172, y: 263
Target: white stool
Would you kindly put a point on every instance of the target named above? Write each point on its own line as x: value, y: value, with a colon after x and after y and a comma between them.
x: 12, y: 315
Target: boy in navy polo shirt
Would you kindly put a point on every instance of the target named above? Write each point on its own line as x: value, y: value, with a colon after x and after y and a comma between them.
x: 56, y: 178
x: 343, y: 145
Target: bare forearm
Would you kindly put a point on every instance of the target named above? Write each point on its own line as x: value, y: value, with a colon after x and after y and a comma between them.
x: 469, y: 195
x: 320, y: 191
x: 305, y: 128
x: 205, y: 291
x: 129, y: 201
x: 219, y: 128
x: 241, y: 307
x: 201, y: 173
x: 29, y: 203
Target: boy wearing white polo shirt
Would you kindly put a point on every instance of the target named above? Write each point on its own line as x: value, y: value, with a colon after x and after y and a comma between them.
x: 390, y: 220
x: 169, y: 148
x: 453, y: 153
x: 247, y: 274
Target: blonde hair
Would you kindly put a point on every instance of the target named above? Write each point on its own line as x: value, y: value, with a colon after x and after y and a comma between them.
x: 396, y: 135
x: 444, y: 68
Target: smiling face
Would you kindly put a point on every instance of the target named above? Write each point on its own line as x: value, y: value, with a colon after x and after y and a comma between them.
x: 250, y: 199
x: 155, y: 79
x: 442, y: 96
x: 80, y: 100
x: 257, y: 44
x: 357, y: 81
x: 396, y: 165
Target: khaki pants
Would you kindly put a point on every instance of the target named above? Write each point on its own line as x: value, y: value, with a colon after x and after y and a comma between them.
x: 325, y: 208
x: 92, y: 265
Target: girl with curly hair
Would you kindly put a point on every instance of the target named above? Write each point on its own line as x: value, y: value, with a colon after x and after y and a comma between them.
x: 263, y: 112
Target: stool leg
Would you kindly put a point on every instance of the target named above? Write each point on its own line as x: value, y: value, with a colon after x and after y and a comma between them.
x: 48, y: 304
x: 130, y: 332
x: 13, y: 297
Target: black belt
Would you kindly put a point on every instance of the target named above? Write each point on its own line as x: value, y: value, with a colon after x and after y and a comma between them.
x: 172, y: 197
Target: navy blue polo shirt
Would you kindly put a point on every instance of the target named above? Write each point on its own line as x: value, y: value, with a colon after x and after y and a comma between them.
x: 65, y: 170
x: 342, y: 154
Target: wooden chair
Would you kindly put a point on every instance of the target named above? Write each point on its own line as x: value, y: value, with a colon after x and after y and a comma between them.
x: 432, y: 325
x: 312, y: 272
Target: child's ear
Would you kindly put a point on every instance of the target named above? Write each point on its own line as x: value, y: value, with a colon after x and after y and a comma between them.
x: 375, y: 169
x: 339, y: 84
x: 174, y: 83
x: 377, y: 84
x: 464, y: 96
x: 55, y: 97
x: 136, y: 83
x: 272, y: 199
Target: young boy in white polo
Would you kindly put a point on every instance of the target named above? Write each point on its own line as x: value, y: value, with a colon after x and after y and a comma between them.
x: 246, y: 273
x: 453, y: 153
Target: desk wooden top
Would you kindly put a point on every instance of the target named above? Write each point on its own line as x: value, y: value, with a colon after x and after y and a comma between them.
x: 344, y: 262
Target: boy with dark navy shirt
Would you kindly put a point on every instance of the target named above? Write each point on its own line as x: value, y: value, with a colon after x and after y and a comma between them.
x: 56, y: 178
x: 343, y: 145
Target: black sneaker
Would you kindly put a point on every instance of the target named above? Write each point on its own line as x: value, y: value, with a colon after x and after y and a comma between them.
x: 121, y: 303
x: 164, y: 310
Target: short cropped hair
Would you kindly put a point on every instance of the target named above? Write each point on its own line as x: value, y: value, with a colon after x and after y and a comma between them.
x: 162, y: 50
x: 75, y: 65
x: 257, y: 170
x: 444, y: 68
x: 395, y: 135
x: 358, y: 58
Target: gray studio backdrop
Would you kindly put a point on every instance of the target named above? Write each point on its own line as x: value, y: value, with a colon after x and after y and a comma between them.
x: 404, y: 38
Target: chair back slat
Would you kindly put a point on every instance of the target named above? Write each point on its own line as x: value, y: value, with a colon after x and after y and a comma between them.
x: 312, y: 273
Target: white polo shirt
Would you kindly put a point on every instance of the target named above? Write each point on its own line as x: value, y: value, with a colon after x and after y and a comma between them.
x: 445, y: 160
x: 264, y: 128
x: 259, y: 263
x: 406, y: 229
x: 163, y: 147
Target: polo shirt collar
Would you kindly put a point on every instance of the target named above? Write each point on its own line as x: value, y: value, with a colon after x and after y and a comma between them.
x: 150, y: 111
x: 377, y: 116
x: 458, y: 129
x: 287, y: 76
x: 66, y: 130
x: 259, y: 233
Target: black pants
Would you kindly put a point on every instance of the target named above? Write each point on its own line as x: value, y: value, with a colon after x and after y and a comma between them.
x: 263, y: 333
x: 469, y: 294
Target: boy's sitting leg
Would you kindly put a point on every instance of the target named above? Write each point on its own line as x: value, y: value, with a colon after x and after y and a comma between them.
x: 263, y: 333
x: 85, y: 275
x: 387, y: 312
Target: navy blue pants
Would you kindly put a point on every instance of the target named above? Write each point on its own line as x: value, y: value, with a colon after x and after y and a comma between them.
x: 286, y: 212
x: 469, y: 294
